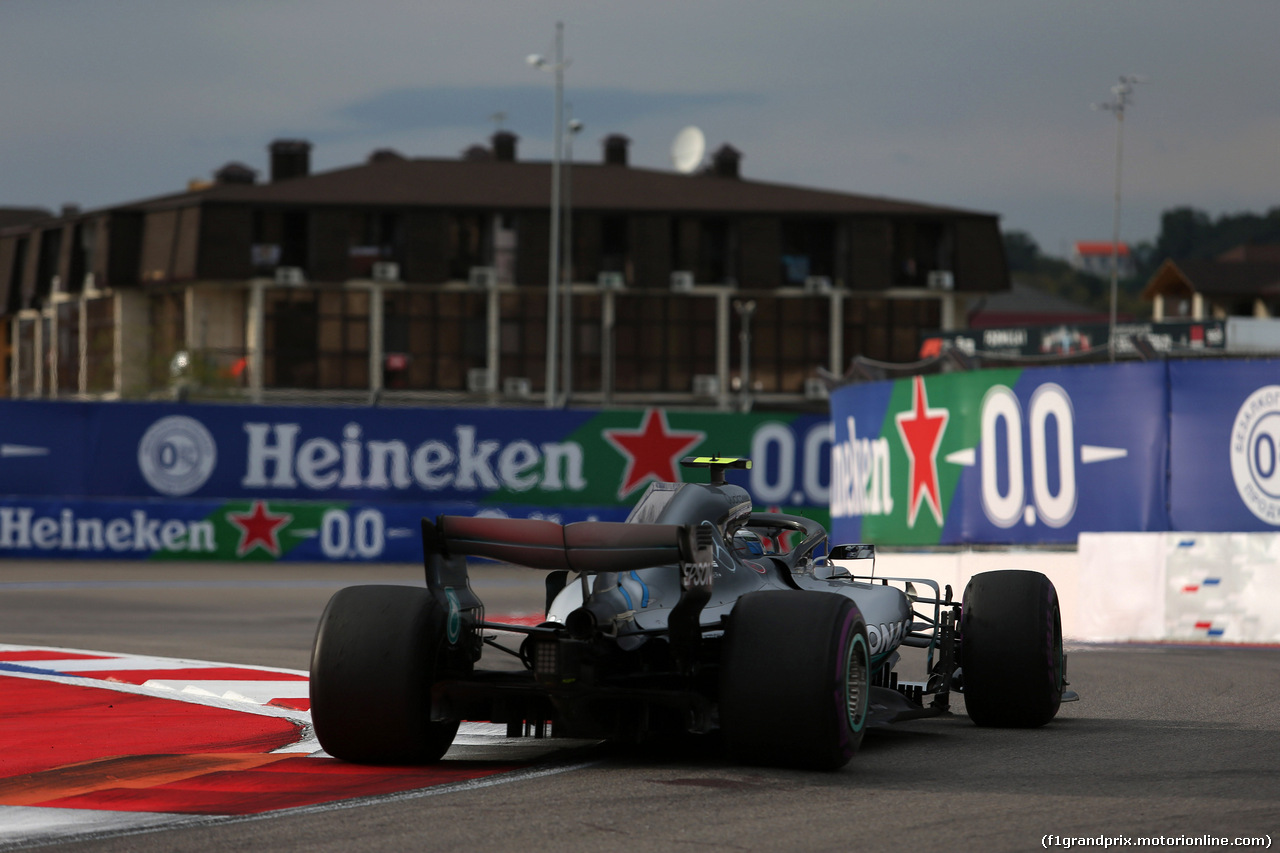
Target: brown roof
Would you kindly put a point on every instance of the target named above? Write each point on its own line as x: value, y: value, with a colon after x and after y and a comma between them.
x: 22, y: 215
x: 1214, y: 278
x: 1269, y: 253
x: 526, y: 185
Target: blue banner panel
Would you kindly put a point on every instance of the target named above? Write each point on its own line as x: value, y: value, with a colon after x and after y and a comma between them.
x: 249, y: 530
x: 1001, y: 456
x: 1224, y: 454
x: 136, y: 480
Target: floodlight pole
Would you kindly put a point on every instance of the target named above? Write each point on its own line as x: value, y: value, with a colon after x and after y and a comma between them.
x: 553, y: 276
x: 1115, y: 226
x: 745, y: 308
x: 1121, y: 97
x: 574, y: 127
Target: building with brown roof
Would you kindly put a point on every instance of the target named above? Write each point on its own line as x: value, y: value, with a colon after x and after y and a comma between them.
x: 427, y: 278
x: 1242, y: 282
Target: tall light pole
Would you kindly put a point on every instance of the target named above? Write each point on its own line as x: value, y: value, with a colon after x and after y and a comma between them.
x: 745, y: 309
x: 574, y: 127
x: 1121, y: 97
x: 553, y: 277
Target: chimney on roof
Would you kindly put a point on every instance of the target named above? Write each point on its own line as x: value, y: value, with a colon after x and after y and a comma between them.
x: 476, y: 153
x: 235, y: 173
x: 386, y: 155
x: 615, y: 149
x: 724, y: 163
x: 290, y: 158
x: 504, y: 146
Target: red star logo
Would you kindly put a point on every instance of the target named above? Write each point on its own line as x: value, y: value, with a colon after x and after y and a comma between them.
x: 651, y: 451
x: 921, y: 430
x: 258, y: 529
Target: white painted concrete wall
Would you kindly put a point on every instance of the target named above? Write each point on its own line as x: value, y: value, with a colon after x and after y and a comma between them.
x: 1198, y: 587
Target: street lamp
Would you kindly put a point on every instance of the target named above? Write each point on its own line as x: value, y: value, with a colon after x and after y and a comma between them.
x: 553, y: 277
x: 745, y: 309
x: 1121, y: 97
x: 574, y: 127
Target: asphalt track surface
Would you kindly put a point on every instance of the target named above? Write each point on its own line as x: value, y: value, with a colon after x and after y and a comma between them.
x: 1167, y: 741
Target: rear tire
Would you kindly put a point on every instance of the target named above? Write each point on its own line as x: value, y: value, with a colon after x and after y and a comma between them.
x: 794, y: 680
x: 1011, y: 649
x: 373, y: 665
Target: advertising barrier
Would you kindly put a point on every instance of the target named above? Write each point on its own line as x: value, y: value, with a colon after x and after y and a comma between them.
x: 1064, y: 338
x: 1001, y: 456
x: 192, y: 482
x: 1224, y: 448
x: 1041, y: 455
x: 1017, y: 456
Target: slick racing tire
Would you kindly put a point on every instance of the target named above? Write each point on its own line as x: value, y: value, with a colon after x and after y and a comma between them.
x: 794, y: 680
x: 372, y: 668
x: 1011, y: 649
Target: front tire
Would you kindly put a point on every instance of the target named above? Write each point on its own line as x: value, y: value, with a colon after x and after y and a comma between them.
x: 373, y: 665
x: 794, y: 680
x: 1011, y: 649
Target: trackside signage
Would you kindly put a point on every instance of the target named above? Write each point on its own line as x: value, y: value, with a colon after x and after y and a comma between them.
x: 1225, y: 446
x: 136, y: 480
x: 1041, y: 455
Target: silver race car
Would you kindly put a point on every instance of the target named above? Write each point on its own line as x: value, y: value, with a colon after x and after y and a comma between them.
x: 695, y: 615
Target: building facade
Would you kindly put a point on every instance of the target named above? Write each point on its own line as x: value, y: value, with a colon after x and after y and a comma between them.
x: 1242, y: 282
x: 1095, y: 258
x: 427, y: 280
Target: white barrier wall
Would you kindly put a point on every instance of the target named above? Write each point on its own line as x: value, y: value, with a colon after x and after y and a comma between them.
x: 1118, y: 587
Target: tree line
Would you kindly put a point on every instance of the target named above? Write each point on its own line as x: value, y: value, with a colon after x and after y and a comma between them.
x: 1185, y: 233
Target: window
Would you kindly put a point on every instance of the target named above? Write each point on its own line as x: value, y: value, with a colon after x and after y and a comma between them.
x: 83, y: 240
x: 662, y: 342
x: 16, y: 276
x: 714, y: 252
x: 789, y: 338
x: 888, y: 329
x: 25, y: 350
x: 100, y: 327
x: 919, y: 248
x: 316, y: 338
x: 47, y: 265
x: 432, y: 338
x: 614, y: 244
x: 279, y: 239
x: 375, y: 236
x: 808, y: 249
x: 168, y: 334
x: 68, y: 347
x: 522, y: 340
x: 469, y: 244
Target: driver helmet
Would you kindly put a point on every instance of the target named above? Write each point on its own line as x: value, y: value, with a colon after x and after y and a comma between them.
x: 748, y: 542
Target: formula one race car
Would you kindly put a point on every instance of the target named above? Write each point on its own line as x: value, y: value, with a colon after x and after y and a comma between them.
x: 694, y: 615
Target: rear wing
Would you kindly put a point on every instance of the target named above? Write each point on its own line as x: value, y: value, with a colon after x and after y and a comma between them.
x: 584, y: 546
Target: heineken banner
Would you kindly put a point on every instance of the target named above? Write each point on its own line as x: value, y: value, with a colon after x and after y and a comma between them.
x: 1001, y: 456
x: 1041, y: 455
x: 142, y: 480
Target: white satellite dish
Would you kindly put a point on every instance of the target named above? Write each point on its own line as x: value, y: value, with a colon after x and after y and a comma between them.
x: 687, y: 150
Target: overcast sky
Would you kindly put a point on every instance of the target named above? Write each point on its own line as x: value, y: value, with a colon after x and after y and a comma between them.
x: 980, y: 104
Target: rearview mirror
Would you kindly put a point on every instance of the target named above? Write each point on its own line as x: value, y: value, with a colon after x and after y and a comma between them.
x: 844, y: 553
x: 852, y: 552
